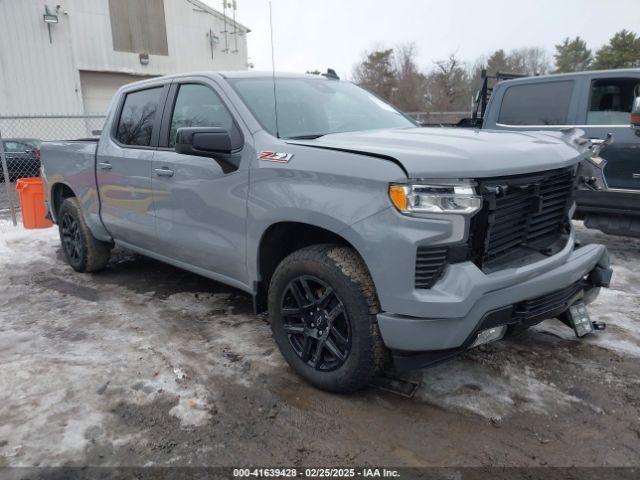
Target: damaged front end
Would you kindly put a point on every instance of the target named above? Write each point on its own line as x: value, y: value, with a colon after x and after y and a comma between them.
x: 567, y: 305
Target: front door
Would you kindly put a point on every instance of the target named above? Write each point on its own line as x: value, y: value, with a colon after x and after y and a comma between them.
x: 200, y: 210
x: 123, y: 168
x: 609, y: 111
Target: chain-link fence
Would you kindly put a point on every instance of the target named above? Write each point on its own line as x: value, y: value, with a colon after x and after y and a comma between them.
x: 20, y: 139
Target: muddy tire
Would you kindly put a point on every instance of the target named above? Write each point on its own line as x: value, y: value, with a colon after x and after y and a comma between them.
x: 83, y: 252
x: 323, y: 306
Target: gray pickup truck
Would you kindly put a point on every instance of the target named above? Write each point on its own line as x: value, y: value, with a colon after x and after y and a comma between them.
x: 364, y: 236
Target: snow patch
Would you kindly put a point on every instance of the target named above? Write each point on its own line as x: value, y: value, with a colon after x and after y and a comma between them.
x: 468, y: 386
x: 20, y: 246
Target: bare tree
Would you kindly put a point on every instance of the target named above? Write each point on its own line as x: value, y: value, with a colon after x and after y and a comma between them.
x: 410, y: 82
x: 527, y: 61
x: 530, y: 61
x: 448, y: 86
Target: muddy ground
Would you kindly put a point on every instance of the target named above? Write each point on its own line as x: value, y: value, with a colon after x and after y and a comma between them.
x: 144, y: 364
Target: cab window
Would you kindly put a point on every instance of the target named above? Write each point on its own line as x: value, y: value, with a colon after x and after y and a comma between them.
x: 198, y: 106
x: 137, y: 117
x: 611, y: 101
x: 537, y: 104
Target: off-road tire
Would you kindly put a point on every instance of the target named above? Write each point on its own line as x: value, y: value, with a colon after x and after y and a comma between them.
x: 345, y: 272
x: 92, y: 254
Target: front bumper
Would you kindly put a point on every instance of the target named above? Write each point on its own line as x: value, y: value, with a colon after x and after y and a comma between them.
x: 467, y: 300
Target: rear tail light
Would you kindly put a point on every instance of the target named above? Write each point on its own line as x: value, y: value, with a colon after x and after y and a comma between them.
x: 38, y: 152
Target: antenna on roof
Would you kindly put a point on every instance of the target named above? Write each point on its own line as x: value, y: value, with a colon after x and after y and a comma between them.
x: 273, y: 72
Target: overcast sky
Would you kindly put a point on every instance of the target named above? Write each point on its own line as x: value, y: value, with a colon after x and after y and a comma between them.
x: 316, y: 34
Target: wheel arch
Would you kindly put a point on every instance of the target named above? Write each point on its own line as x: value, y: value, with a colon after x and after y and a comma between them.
x: 59, y: 192
x: 281, y: 239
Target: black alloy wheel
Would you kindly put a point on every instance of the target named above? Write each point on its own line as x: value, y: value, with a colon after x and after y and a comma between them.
x: 316, y: 323
x: 82, y: 250
x: 71, y: 238
x: 323, y: 313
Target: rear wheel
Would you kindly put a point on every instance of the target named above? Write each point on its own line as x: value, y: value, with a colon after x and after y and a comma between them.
x: 81, y: 249
x: 323, y: 307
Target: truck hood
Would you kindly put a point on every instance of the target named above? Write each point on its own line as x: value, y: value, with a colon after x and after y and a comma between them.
x: 459, y: 152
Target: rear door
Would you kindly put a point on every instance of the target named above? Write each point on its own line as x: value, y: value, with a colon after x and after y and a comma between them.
x: 607, y: 109
x: 201, y: 209
x: 124, y: 163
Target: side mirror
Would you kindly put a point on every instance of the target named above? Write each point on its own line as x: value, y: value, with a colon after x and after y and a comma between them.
x: 209, y: 142
x: 635, y: 114
x: 203, y: 141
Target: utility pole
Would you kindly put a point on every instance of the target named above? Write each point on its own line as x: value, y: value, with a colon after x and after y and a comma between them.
x: 224, y: 15
x: 234, y: 6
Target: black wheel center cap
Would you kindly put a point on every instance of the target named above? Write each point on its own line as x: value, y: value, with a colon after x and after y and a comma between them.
x: 317, y: 319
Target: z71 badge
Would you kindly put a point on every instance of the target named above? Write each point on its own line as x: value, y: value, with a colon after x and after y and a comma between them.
x: 279, y: 157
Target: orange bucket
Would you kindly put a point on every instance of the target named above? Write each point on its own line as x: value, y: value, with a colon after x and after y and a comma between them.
x: 32, y: 204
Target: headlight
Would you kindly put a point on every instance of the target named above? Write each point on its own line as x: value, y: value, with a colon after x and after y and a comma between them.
x: 433, y: 198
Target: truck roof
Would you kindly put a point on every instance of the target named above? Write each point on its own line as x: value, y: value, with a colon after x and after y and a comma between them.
x: 595, y: 73
x: 228, y: 75
x: 262, y: 74
x: 221, y: 75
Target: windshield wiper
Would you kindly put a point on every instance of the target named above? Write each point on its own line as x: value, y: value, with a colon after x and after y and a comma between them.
x: 307, y: 137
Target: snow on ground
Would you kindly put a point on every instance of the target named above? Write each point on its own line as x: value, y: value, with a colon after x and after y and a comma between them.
x: 80, y: 351
x: 20, y: 246
x: 473, y: 387
x: 92, y: 334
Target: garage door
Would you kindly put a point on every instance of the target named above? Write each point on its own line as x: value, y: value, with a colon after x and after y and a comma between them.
x: 99, y: 87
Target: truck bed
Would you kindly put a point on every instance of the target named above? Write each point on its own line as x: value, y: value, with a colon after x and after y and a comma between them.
x: 72, y: 163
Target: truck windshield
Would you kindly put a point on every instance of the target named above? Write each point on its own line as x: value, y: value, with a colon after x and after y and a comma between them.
x: 310, y: 108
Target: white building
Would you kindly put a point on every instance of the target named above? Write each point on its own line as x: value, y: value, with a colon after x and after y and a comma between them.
x: 70, y: 57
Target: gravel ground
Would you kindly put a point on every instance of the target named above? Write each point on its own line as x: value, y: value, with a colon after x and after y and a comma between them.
x: 144, y: 364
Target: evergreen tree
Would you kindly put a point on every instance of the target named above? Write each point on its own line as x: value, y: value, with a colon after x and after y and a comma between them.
x: 623, y: 51
x: 572, y: 56
x: 376, y: 73
x: 499, y: 62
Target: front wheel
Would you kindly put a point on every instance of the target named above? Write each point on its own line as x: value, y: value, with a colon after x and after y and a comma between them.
x: 81, y: 249
x: 323, y: 306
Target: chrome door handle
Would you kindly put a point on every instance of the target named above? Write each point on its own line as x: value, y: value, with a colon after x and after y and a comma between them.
x: 596, y: 141
x: 163, y: 172
x: 105, y: 165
